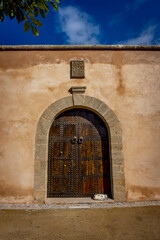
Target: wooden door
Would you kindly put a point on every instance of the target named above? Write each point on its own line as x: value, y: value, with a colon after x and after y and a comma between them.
x: 78, y: 164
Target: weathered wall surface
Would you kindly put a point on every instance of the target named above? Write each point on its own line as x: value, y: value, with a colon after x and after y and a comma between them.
x: 127, y: 81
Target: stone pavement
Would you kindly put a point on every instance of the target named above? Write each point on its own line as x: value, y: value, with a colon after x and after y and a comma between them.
x: 116, y: 223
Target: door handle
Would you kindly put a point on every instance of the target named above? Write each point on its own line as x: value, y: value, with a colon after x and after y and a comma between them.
x: 80, y: 140
x: 74, y: 139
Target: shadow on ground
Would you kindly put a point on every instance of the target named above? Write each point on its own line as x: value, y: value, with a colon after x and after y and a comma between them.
x: 81, y: 224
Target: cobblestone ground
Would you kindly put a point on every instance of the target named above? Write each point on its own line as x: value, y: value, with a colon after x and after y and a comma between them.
x: 81, y: 224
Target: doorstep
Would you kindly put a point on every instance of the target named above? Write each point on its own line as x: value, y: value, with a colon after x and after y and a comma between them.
x: 76, y: 201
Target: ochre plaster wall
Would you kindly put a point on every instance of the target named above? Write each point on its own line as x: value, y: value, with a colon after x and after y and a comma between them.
x: 127, y: 81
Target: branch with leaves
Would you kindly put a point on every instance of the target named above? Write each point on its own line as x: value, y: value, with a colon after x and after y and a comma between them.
x: 27, y: 11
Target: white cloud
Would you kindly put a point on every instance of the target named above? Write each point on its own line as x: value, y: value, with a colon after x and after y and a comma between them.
x: 78, y: 26
x: 146, y: 37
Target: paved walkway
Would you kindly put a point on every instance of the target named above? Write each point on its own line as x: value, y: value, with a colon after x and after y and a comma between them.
x: 129, y: 223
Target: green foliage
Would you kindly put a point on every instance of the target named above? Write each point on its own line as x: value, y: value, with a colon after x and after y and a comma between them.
x: 27, y: 11
x: 26, y: 26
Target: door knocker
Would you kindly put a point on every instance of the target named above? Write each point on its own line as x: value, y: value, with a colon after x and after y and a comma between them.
x: 74, y: 139
x: 80, y: 140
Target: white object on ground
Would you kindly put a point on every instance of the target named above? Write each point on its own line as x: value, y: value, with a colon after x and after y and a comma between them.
x: 100, y: 197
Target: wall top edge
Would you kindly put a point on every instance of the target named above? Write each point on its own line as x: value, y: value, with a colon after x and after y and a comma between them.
x: 78, y: 47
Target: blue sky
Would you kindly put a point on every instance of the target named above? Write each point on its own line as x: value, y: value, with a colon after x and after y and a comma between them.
x: 89, y: 22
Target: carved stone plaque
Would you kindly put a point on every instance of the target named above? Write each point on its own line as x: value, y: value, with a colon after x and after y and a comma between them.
x: 77, y: 69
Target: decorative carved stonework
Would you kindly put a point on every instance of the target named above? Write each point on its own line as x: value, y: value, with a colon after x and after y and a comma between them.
x: 77, y: 94
x: 77, y: 69
x: 78, y: 89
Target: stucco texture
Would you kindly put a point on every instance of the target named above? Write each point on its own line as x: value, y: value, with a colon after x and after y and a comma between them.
x: 127, y: 81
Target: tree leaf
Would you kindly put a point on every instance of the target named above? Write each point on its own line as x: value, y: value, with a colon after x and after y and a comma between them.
x: 1, y: 16
x: 19, y: 15
x: 41, y: 6
x: 34, y: 31
x: 36, y: 22
x: 30, y: 15
x: 43, y: 15
x: 54, y: 5
x: 26, y: 26
x: 12, y: 14
x: 27, y: 11
x: 46, y: 6
x: 37, y: 32
x: 6, y: 8
x: 36, y: 12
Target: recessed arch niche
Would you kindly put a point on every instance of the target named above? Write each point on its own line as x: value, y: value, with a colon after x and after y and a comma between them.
x: 115, y: 143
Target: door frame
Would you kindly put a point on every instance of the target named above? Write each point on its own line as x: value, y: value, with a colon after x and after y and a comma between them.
x: 115, y: 143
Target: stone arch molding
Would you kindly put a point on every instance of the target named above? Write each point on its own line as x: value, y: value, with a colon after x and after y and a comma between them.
x: 115, y: 135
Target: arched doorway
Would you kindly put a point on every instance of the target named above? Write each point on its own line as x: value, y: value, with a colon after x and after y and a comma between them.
x: 78, y: 155
x: 117, y: 177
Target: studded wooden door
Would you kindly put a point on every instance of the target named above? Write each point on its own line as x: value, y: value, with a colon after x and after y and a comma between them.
x: 78, y: 160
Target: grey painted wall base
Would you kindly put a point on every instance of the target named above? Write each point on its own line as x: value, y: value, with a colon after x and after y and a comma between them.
x: 115, y: 135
